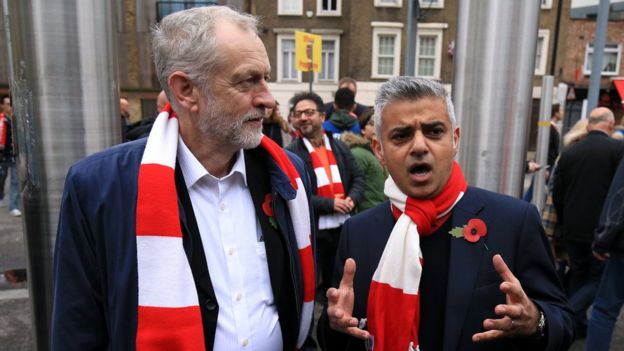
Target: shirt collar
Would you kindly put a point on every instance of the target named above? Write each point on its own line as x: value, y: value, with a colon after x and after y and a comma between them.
x: 193, y: 170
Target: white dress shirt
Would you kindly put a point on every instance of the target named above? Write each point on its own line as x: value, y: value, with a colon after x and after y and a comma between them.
x: 236, y: 258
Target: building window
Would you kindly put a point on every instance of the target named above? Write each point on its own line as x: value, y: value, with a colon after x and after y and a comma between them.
x: 541, y: 52
x: 389, y: 3
x: 290, y: 7
x: 610, y: 59
x: 546, y: 4
x: 164, y: 8
x: 429, y: 53
x: 329, y: 59
x: 286, y: 71
x: 328, y: 7
x: 386, y: 51
x: 432, y: 4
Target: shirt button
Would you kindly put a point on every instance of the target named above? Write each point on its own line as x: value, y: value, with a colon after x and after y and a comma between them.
x: 210, y: 305
x: 231, y: 251
x: 222, y: 206
x: 238, y: 296
x: 245, y: 342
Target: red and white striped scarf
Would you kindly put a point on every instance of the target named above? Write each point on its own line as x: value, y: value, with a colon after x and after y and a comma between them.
x: 169, y: 317
x: 325, y: 188
x: 393, y: 315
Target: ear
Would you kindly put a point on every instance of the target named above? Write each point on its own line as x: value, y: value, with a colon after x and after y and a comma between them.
x: 322, y: 115
x: 455, y: 141
x: 378, y: 150
x: 184, y: 91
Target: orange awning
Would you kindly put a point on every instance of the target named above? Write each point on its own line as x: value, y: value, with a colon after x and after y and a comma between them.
x: 619, y: 86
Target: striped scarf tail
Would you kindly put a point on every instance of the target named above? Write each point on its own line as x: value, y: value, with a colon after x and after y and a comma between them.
x: 300, y: 218
x: 394, y: 299
x: 169, y: 317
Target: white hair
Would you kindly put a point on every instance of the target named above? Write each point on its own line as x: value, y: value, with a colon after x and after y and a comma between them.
x: 406, y: 88
x: 185, y: 41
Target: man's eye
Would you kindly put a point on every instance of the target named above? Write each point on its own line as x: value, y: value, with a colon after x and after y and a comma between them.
x: 400, y: 136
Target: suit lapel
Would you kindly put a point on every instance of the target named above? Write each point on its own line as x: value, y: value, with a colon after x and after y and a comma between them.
x: 464, y: 264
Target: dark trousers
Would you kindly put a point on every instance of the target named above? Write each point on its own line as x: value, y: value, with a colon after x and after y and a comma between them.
x: 326, y: 246
x: 585, y: 274
x: 4, y: 171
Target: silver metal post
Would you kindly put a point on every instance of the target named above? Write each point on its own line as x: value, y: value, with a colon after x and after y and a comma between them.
x: 65, y: 102
x: 494, y: 64
x: 543, y: 137
x: 596, y: 65
x: 412, y: 37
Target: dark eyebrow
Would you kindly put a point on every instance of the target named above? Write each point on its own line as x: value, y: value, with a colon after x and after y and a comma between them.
x: 432, y: 124
x: 401, y: 128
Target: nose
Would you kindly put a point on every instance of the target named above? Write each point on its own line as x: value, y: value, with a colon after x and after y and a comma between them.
x: 419, y: 144
x: 263, y: 97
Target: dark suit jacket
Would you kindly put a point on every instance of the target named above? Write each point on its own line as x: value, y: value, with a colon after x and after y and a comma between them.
x: 513, y: 230
x: 95, y: 264
x: 350, y: 173
x: 582, y: 179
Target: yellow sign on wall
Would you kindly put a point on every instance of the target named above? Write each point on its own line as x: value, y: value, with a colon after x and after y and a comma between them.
x: 307, y: 52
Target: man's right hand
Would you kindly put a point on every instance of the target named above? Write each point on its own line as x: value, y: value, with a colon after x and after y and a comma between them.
x: 340, y: 304
x: 342, y: 205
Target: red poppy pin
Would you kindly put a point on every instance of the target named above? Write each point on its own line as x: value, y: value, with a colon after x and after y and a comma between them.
x: 267, y: 208
x: 472, y: 231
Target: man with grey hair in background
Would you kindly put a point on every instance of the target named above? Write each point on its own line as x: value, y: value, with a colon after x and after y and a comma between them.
x: 441, y: 265
x: 198, y: 237
x: 582, y: 179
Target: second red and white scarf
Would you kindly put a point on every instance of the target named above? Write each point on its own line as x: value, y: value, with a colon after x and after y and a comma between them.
x: 393, y: 314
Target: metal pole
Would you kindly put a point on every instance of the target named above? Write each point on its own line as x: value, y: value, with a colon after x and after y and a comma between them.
x: 494, y: 64
x: 596, y: 65
x: 64, y: 86
x: 412, y: 37
x: 543, y: 136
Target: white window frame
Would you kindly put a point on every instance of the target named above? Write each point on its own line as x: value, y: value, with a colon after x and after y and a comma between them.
x: 291, y: 12
x: 386, y: 28
x: 336, y: 39
x: 280, y: 77
x: 321, y: 12
x: 397, y: 3
x: 618, y: 49
x: 546, y: 4
x: 427, y: 4
x: 431, y: 29
x: 540, y: 67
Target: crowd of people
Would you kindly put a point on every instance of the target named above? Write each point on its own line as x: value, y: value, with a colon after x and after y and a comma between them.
x: 221, y: 223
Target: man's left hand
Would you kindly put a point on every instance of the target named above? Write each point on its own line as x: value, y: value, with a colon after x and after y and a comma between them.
x: 519, y: 317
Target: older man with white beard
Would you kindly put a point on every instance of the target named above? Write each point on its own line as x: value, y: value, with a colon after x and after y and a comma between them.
x: 200, y: 236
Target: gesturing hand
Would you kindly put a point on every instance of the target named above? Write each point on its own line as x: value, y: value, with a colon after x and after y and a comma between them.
x: 519, y: 317
x: 340, y: 304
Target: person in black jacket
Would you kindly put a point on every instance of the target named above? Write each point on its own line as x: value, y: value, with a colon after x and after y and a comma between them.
x: 609, y: 247
x: 582, y: 179
x: 332, y: 167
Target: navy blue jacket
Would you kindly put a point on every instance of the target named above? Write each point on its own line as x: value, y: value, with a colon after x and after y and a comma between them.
x: 95, y: 265
x: 514, y: 230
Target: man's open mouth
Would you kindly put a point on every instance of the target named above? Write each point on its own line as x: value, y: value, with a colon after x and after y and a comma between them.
x: 420, y: 169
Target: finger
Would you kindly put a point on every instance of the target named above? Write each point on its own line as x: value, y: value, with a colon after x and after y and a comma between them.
x: 503, y: 324
x: 488, y: 335
x: 358, y: 333
x: 503, y: 271
x: 511, y: 311
x: 347, y: 275
x: 332, y: 295
x: 514, y: 292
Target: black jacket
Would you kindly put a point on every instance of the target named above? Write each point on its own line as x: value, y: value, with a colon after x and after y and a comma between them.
x: 350, y: 173
x: 610, y: 232
x: 582, y: 179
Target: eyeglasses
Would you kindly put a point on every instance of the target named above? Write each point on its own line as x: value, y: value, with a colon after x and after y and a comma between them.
x: 308, y: 113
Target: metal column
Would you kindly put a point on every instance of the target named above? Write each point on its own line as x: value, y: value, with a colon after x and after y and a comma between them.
x: 596, y: 66
x: 543, y: 136
x: 494, y: 64
x: 64, y: 84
